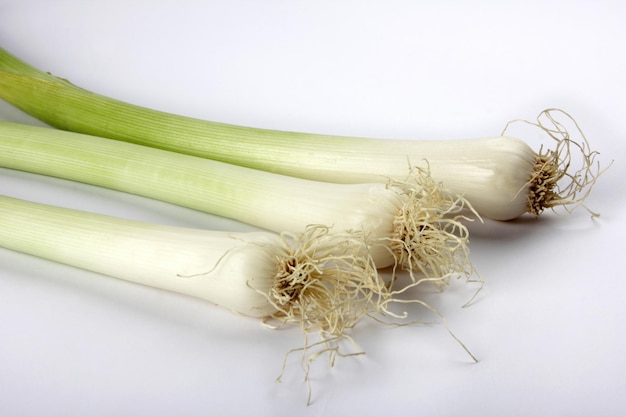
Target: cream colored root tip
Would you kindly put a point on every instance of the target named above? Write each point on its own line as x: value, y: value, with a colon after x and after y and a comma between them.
x: 396, y: 299
x: 330, y: 346
x: 429, y: 235
x: 552, y: 183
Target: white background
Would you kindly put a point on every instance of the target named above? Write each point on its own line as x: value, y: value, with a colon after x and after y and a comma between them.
x: 548, y: 327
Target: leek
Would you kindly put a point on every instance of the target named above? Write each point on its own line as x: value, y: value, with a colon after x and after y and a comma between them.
x: 501, y: 177
x: 320, y: 280
x: 414, y: 224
